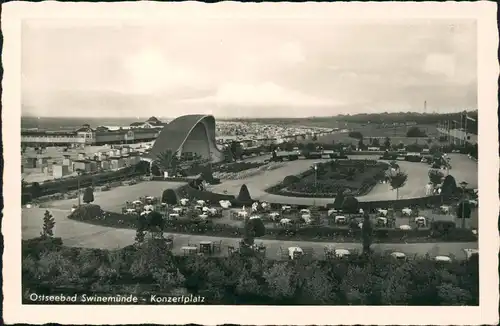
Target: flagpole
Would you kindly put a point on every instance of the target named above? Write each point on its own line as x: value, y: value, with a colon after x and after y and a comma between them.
x: 465, y: 128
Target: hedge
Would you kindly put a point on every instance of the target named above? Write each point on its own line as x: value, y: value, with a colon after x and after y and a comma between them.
x: 307, y: 233
x: 36, y: 190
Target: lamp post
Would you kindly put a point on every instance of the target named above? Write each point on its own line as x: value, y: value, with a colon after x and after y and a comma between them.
x: 315, y: 177
x: 463, y: 185
x: 79, y: 172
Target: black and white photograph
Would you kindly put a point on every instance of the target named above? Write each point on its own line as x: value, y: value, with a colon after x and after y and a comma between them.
x: 269, y: 157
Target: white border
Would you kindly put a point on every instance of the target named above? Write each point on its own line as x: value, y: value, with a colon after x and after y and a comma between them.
x: 484, y: 12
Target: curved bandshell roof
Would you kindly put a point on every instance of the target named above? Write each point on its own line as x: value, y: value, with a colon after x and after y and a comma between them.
x: 174, y: 135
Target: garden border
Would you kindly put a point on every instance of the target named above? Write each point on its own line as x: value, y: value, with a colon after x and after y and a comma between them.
x: 294, y: 233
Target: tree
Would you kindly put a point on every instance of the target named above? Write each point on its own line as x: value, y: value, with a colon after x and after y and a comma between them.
x: 311, y: 147
x: 254, y: 228
x: 207, y: 174
x: 48, y: 225
x: 169, y: 197
x: 281, y: 281
x: 415, y: 132
x: 140, y: 236
x: 361, y: 145
x: 435, y: 177
x: 315, y: 215
x: 356, y: 135
x: 394, y: 165
x: 154, y: 260
x: 244, y: 195
x: 88, y: 195
x: 237, y: 150
x: 464, y: 211
x: 156, y: 224
x: 228, y: 155
x: 387, y: 143
x: 351, y: 173
x: 36, y: 190
x: 449, y: 187
x: 350, y: 205
x: 398, y: 180
x: 367, y: 233
x: 338, y: 203
x: 167, y: 161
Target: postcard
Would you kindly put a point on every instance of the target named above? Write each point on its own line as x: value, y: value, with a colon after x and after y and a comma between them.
x: 257, y: 164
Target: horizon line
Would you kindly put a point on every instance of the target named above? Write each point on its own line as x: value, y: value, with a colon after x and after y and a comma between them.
x: 256, y: 117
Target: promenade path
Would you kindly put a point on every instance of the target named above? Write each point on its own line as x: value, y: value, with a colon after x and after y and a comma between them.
x: 463, y: 169
x: 78, y: 234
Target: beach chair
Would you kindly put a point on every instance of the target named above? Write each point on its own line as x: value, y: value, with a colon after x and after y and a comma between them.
x: 231, y: 250
x: 217, y: 246
x: 284, y: 254
x: 308, y: 253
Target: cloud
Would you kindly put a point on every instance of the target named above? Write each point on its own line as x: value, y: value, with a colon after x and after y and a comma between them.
x: 263, y: 95
x: 440, y: 64
x: 149, y: 71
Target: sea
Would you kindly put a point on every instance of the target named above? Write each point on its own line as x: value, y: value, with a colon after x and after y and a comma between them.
x: 67, y: 124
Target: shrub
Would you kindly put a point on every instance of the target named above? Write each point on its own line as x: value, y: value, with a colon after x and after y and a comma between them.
x: 36, y: 246
x: 413, y: 158
x: 415, y: 132
x: 356, y: 134
x: 339, y: 200
x: 244, y: 195
x: 254, y: 228
x: 350, y: 205
x: 48, y: 225
x: 464, y: 209
x: 290, y: 179
x: 169, y: 197
x: 88, y: 195
x: 449, y: 187
x: 87, y: 212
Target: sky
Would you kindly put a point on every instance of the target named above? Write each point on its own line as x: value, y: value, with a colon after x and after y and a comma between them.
x: 247, y: 68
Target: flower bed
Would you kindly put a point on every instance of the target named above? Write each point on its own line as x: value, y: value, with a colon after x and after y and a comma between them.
x: 309, y: 233
x: 247, y: 173
x: 237, y: 167
x: 356, y: 177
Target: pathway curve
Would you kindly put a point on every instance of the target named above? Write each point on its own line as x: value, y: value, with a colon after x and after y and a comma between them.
x: 78, y: 234
x: 463, y: 169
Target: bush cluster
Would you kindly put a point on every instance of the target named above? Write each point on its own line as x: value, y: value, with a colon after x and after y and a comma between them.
x: 36, y: 189
x: 241, y: 279
x: 354, y: 176
x: 298, y: 233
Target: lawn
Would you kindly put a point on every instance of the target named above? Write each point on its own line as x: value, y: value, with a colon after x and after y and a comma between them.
x: 396, y: 135
x: 355, y: 177
x: 114, y: 199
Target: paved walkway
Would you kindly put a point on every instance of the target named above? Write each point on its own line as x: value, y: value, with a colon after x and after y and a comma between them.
x: 78, y: 234
x: 463, y: 169
x: 93, y: 236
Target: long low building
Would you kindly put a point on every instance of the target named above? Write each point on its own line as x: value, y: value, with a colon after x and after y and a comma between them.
x: 88, y: 136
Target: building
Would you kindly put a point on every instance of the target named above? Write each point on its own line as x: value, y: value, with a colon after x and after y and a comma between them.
x: 81, y: 165
x: 189, y: 134
x: 60, y: 171
x: 30, y: 162
x: 152, y: 122
x: 87, y: 136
